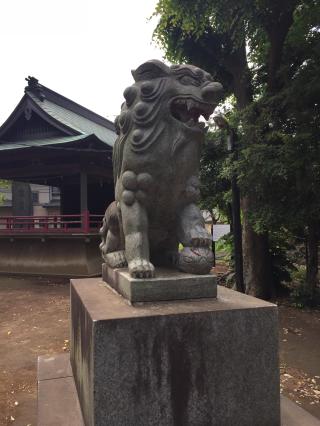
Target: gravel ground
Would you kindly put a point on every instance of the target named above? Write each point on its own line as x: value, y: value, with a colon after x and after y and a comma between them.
x: 34, y: 320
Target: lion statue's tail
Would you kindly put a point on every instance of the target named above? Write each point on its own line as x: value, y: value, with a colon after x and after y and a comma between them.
x: 103, y: 231
x: 110, y: 231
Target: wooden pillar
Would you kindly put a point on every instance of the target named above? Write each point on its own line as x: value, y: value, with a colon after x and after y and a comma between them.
x: 83, y: 192
x: 84, y: 202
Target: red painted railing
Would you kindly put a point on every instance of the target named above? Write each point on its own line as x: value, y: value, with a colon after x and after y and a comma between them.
x: 54, y: 224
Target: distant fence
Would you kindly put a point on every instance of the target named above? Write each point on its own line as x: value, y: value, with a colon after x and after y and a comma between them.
x: 52, y: 224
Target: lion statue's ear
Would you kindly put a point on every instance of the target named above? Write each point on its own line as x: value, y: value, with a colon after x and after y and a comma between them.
x: 150, y: 70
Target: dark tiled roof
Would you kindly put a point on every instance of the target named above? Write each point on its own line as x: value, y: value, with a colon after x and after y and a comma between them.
x: 62, y: 112
x: 72, y: 114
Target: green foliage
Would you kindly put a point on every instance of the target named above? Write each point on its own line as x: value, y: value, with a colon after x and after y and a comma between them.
x: 3, y: 184
x: 282, y: 265
x: 201, y: 32
x: 300, y: 294
x: 267, y: 54
x: 214, y: 185
x: 224, y: 248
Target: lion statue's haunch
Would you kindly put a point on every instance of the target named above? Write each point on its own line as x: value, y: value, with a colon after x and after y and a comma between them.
x: 156, y: 162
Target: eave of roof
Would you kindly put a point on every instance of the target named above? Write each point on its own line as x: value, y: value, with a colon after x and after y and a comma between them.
x: 54, y: 142
x: 74, y: 121
x: 25, y: 103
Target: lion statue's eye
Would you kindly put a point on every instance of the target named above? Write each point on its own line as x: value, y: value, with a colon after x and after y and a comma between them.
x: 188, y: 80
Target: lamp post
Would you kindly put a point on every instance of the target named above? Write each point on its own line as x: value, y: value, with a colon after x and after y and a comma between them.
x: 222, y: 123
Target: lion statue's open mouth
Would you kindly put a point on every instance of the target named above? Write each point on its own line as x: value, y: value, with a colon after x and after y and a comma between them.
x: 188, y: 110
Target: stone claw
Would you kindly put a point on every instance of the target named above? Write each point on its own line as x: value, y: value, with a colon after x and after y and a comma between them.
x: 200, y: 237
x: 141, y: 268
x: 116, y: 259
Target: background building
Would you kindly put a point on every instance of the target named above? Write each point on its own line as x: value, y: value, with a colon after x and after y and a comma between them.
x: 45, y: 200
x: 57, y: 156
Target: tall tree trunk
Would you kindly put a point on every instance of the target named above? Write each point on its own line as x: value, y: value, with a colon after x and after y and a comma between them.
x: 277, y: 28
x: 312, y: 258
x: 257, y: 261
x: 257, y: 271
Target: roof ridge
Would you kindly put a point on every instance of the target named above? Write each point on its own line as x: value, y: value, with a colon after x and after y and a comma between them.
x: 43, y: 92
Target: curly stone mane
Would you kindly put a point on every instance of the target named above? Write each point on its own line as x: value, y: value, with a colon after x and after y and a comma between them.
x: 139, y: 118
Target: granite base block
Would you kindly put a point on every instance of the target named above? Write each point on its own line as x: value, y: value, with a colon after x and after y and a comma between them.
x: 196, y: 362
x: 54, y: 411
x: 168, y: 284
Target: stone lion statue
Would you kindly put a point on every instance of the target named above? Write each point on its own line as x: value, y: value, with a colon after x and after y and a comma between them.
x: 156, y: 162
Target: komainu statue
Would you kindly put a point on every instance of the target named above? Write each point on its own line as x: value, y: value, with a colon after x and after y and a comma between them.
x: 156, y: 162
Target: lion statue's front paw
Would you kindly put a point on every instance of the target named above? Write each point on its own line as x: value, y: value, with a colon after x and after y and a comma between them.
x: 200, y: 237
x: 195, y: 260
x: 141, y: 268
x: 116, y: 259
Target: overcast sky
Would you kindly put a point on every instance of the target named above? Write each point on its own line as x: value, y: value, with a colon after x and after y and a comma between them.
x: 82, y: 49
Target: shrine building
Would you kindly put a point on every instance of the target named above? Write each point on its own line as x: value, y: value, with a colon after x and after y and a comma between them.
x: 52, y: 142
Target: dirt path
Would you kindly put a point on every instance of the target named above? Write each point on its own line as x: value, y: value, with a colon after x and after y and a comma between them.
x: 34, y: 320
x: 299, y: 335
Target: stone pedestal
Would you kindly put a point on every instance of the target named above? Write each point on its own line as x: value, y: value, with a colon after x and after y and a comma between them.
x: 196, y: 362
x: 168, y: 284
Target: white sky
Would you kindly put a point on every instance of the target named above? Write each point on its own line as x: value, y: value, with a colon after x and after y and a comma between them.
x: 82, y: 49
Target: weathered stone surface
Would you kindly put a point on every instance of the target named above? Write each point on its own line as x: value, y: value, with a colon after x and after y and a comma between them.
x: 196, y: 362
x: 156, y: 160
x: 291, y: 413
x: 168, y: 284
x: 21, y: 200
x: 54, y: 367
x: 62, y: 391
x: 58, y: 403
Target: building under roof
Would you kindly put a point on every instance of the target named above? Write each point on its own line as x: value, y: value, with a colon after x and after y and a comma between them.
x: 51, y: 140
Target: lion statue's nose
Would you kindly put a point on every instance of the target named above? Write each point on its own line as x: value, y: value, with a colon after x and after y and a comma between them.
x: 212, y: 92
